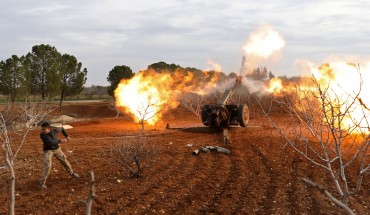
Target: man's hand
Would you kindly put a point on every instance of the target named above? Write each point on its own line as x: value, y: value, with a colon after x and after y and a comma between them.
x: 64, y: 140
x: 69, y: 139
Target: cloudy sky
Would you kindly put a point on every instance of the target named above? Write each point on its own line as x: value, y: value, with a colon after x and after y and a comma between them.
x: 102, y: 34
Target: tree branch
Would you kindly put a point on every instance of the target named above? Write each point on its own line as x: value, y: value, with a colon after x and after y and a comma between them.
x: 331, y: 197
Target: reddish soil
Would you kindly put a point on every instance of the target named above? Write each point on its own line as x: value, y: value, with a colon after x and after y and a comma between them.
x: 258, y: 177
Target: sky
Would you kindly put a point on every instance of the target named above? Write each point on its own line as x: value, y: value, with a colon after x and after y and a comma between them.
x: 102, y: 34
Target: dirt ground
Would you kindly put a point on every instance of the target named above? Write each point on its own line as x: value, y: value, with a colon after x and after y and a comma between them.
x: 258, y: 177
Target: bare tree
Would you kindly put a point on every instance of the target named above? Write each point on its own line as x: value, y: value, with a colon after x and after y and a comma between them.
x: 326, y: 133
x: 92, y: 195
x: 135, y: 155
x: 112, y: 105
x: 147, y: 110
x: 238, y: 99
x: 193, y: 102
x: 15, y: 124
x: 214, y: 97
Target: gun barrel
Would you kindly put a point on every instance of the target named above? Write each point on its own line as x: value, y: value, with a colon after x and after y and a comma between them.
x: 228, y: 93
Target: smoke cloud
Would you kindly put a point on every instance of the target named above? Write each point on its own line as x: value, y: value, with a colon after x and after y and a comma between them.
x: 263, y: 45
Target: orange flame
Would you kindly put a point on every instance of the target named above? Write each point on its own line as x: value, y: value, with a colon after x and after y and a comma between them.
x: 142, y: 96
x: 150, y: 94
x: 344, y: 82
x: 275, y: 86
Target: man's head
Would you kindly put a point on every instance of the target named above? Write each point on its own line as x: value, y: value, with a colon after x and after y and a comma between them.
x: 46, y: 128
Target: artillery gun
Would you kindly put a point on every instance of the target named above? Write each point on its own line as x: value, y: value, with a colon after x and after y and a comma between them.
x: 223, y: 115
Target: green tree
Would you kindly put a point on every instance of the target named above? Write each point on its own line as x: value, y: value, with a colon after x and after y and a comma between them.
x: 232, y: 75
x: 163, y: 67
x: 271, y: 75
x: 14, y: 80
x: 259, y: 73
x: 44, y: 62
x: 73, y: 77
x: 116, y: 75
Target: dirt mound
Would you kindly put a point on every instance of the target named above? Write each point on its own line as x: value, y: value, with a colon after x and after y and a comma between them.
x: 63, y: 118
x: 88, y: 110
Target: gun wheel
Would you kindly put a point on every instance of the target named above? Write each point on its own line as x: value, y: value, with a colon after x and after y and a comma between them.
x: 204, y: 115
x: 243, y: 115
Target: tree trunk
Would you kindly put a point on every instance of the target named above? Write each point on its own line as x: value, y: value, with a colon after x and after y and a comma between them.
x: 13, y: 98
x: 142, y: 127
x: 13, y: 90
x: 13, y: 95
x: 92, y: 196
x: 43, y: 73
x: 61, y: 98
x: 43, y: 90
x: 12, y: 182
x: 10, y: 98
x: 331, y: 198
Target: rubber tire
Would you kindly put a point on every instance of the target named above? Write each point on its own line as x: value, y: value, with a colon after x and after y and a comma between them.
x: 204, y: 115
x: 243, y: 115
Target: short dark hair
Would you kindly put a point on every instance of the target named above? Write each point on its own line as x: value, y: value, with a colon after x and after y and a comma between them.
x: 45, y: 125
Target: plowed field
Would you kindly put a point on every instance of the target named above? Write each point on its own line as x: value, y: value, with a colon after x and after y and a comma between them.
x: 258, y: 177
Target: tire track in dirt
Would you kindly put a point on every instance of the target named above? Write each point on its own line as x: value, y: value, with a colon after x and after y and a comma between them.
x: 189, y: 182
x: 298, y: 192
x: 214, y: 184
x: 292, y: 190
x: 129, y: 195
x: 194, y: 181
x: 237, y: 182
x: 166, y: 170
x: 315, y: 203
x: 270, y: 195
x: 229, y: 181
x: 195, y: 166
x: 162, y: 173
x: 249, y: 182
x: 248, y: 200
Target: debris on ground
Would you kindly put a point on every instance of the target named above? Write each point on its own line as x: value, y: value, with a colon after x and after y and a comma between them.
x: 208, y: 149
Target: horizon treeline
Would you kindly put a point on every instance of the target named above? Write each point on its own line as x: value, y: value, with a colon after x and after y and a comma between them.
x: 43, y: 72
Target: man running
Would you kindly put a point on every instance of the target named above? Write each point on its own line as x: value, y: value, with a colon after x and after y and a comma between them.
x: 51, y: 148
